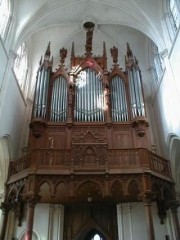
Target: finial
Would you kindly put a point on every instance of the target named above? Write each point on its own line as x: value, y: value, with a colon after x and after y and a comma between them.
x: 48, y: 51
x: 129, y: 51
x: 114, y: 54
x: 72, y: 50
x: 104, y: 48
x: 40, y: 62
x: 89, y: 36
x: 63, y: 54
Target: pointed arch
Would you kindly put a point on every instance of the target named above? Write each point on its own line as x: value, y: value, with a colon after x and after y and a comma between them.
x: 172, y: 17
x: 174, y: 155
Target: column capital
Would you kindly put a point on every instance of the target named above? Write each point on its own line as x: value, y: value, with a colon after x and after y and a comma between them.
x: 31, y: 199
x: 148, y: 197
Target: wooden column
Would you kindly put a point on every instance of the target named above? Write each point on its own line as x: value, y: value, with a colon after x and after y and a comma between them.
x: 31, y: 202
x: 174, y: 206
x: 149, y: 220
x: 5, y: 207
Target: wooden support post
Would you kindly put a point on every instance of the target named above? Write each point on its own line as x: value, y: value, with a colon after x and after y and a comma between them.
x: 31, y: 202
x: 149, y: 220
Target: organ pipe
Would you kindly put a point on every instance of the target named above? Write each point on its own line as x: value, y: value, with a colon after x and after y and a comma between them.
x: 58, y: 110
x: 42, y: 86
x: 135, y: 85
x: 89, y: 105
x: 41, y: 93
x: 89, y: 90
x: 118, y: 99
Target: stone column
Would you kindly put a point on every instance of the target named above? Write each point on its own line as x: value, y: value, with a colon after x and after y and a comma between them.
x: 5, y: 207
x: 174, y: 206
x: 149, y: 220
x: 31, y: 202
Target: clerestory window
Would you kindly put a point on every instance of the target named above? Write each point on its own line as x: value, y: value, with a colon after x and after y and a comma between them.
x: 156, y: 63
x: 172, y: 16
x: 175, y: 14
x: 20, y: 67
x: 4, y: 16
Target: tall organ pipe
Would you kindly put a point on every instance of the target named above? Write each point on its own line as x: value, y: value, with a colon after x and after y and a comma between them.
x: 118, y: 99
x: 59, y: 100
x: 89, y: 104
x: 136, y: 94
x: 41, y: 92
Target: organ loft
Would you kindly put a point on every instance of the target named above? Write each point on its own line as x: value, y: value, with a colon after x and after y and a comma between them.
x: 89, y: 149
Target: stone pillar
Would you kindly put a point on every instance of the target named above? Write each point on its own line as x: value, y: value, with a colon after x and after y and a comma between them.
x: 51, y: 221
x: 10, y: 225
x: 60, y: 221
x: 174, y: 206
x: 120, y: 221
x: 5, y: 207
x: 149, y: 220
x: 31, y: 202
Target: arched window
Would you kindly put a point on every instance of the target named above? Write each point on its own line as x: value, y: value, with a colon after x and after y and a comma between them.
x: 20, y: 67
x: 156, y: 63
x: 4, y: 16
x: 172, y: 17
x: 175, y: 15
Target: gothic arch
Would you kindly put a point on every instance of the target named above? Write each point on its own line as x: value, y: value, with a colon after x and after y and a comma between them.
x: 88, y: 230
x: 35, y: 236
x: 174, y: 155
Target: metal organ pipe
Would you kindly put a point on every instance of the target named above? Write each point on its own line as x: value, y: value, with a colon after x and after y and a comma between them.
x: 136, y: 95
x: 41, y: 92
x: 59, y: 100
x: 118, y: 100
x: 36, y: 93
x: 89, y: 104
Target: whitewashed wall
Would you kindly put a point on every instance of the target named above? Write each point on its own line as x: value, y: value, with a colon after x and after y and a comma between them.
x: 48, y: 223
x: 132, y: 222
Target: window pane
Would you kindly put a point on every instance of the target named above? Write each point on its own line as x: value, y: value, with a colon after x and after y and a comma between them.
x: 175, y: 14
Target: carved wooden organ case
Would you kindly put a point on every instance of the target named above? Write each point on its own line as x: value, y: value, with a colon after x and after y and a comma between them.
x: 106, y: 106
x: 89, y: 123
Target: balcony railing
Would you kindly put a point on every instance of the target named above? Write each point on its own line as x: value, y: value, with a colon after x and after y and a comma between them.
x: 107, y: 160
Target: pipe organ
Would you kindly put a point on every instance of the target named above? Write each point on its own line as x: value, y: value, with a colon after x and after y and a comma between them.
x: 89, y: 83
x: 89, y: 144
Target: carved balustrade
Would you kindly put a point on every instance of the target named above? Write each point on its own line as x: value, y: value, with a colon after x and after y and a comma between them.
x: 92, y: 158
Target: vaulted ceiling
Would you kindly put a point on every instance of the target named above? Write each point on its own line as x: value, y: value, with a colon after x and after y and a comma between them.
x: 116, y: 23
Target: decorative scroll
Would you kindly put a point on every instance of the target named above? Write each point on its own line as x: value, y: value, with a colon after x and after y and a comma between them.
x: 59, y: 100
x: 118, y: 99
x: 89, y: 97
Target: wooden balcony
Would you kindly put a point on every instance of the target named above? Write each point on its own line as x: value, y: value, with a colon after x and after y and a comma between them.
x: 102, y: 161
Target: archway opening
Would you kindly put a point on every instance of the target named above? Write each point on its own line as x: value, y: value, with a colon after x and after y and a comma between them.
x: 94, y: 234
